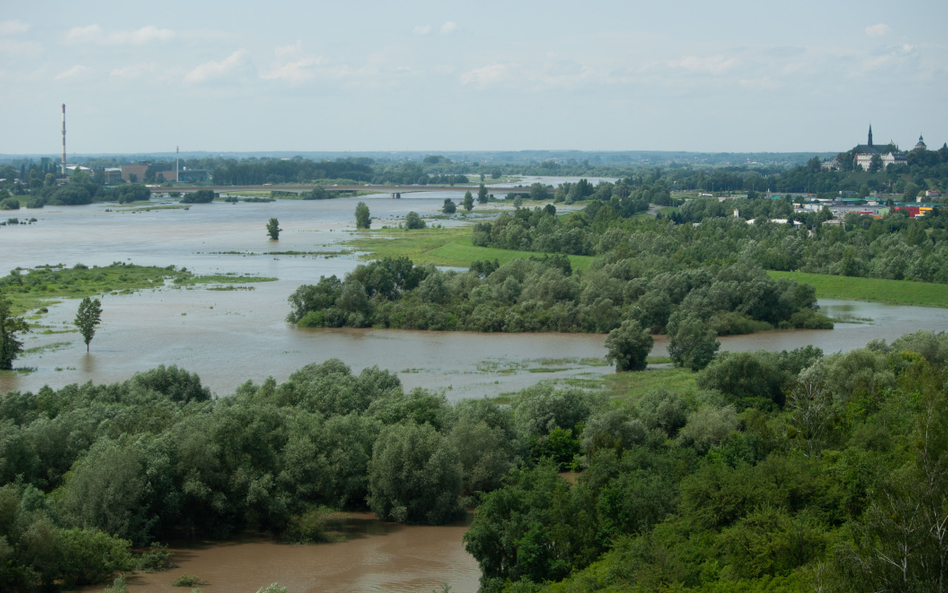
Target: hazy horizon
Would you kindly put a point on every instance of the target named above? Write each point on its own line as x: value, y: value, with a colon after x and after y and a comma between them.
x: 682, y: 76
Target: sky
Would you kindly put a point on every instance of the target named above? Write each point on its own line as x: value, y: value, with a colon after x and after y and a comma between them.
x: 240, y: 76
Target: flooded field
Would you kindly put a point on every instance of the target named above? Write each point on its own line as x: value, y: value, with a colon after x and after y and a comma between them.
x: 230, y: 337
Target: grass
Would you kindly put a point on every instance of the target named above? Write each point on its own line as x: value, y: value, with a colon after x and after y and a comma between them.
x: 634, y: 384
x: 40, y: 286
x: 442, y: 247
x: 187, y: 280
x: 901, y: 292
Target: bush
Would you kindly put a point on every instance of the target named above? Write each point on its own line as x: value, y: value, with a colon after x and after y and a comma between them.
x: 10, y: 204
x: 156, y: 559
x: 201, y: 196
x: 187, y: 580
x: 629, y: 346
x: 308, y: 527
x: 414, y: 221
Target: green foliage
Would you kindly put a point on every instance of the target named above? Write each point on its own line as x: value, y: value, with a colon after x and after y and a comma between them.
x: 10, y: 204
x: 201, y: 196
x: 449, y: 206
x: 413, y: 221
x: 628, y: 346
x: 468, y: 202
x: 87, y: 317
x: 155, y: 559
x: 10, y: 346
x: 693, y: 344
x: 414, y: 476
x: 272, y: 588
x: 273, y: 229
x: 363, y: 218
x: 187, y: 580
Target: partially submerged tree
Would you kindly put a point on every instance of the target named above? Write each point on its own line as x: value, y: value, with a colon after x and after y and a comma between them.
x: 10, y: 347
x: 89, y: 316
x: 363, y: 218
x: 273, y: 229
x: 629, y: 345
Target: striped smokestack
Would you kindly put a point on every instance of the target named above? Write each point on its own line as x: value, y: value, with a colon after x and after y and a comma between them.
x: 64, y: 138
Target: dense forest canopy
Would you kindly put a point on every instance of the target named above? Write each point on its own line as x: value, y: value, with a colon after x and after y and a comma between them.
x: 775, y: 469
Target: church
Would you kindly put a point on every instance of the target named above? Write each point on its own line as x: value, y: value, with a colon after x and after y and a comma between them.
x: 889, y: 153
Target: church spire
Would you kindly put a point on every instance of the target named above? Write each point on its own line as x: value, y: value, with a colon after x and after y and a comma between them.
x: 870, y: 134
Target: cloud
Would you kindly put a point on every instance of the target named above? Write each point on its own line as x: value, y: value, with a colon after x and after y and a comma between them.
x: 208, y: 70
x: 448, y: 27
x: 95, y: 34
x: 764, y: 83
x: 486, y: 75
x: 713, y: 65
x: 293, y: 72
x: 422, y: 30
x: 20, y: 48
x: 75, y: 71
x: 13, y: 27
x: 289, y: 50
x: 149, y: 70
x: 877, y: 30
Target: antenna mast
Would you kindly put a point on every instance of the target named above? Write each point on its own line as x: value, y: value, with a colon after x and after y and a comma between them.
x: 64, y: 138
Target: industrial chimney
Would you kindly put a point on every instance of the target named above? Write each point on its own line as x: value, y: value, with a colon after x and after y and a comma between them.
x: 64, y: 138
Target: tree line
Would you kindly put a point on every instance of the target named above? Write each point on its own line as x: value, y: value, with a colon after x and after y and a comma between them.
x: 776, y: 470
x: 783, y: 471
x: 706, y: 231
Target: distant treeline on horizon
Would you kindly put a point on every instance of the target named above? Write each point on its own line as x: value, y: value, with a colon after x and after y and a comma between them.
x: 565, y: 157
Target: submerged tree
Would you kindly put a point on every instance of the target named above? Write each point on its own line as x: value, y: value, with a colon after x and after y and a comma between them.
x: 468, y: 201
x: 629, y: 345
x: 88, y: 316
x: 273, y: 229
x: 10, y: 347
x: 363, y: 218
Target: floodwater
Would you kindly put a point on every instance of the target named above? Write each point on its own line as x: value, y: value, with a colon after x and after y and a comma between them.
x: 230, y: 337
x: 374, y: 557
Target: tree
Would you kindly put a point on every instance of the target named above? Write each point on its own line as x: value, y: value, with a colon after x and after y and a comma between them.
x: 10, y: 347
x: 414, y: 476
x: 273, y: 229
x: 88, y: 316
x: 449, y: 206
x: 468, y: 201
x: 875, y: 164
x: 495, y: 173
x: 482, y: 194
x: 414, y: 221
x: 629, y: 345
x: 693, y: 343
x: 363, y: 218
x: 538, y: 192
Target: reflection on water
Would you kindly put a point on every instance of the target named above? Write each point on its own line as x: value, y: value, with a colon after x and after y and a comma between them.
x: 375, y: 557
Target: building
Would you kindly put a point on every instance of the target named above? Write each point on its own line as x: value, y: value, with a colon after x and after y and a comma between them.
x: 138, y: 170
x: 889, y: 154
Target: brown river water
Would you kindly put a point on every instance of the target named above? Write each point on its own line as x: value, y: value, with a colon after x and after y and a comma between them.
x: 229, y: 337
x: 375, y: 557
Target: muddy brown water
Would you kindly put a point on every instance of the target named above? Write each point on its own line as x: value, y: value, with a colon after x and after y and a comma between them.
x: 231, y: 337
x: 374, y: 557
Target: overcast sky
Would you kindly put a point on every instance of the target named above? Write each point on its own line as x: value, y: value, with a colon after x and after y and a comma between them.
x: 362, y: 75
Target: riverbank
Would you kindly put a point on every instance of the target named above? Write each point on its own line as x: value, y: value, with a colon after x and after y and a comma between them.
x: 893, y: 292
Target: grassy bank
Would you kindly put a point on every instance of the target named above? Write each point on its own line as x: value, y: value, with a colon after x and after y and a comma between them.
x: 40, y: 287
x: 442, y: 247
x: 901, y: 292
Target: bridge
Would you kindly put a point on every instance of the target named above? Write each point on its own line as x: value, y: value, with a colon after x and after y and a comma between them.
x: 382, y: 189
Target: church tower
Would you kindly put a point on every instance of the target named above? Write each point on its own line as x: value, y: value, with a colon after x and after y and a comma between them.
x: 870, y: 134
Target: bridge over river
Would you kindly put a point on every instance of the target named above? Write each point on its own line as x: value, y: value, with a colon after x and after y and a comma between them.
x: 382, y: 189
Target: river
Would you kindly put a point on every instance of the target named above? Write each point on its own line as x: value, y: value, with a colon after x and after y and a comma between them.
x: 229, y: 337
